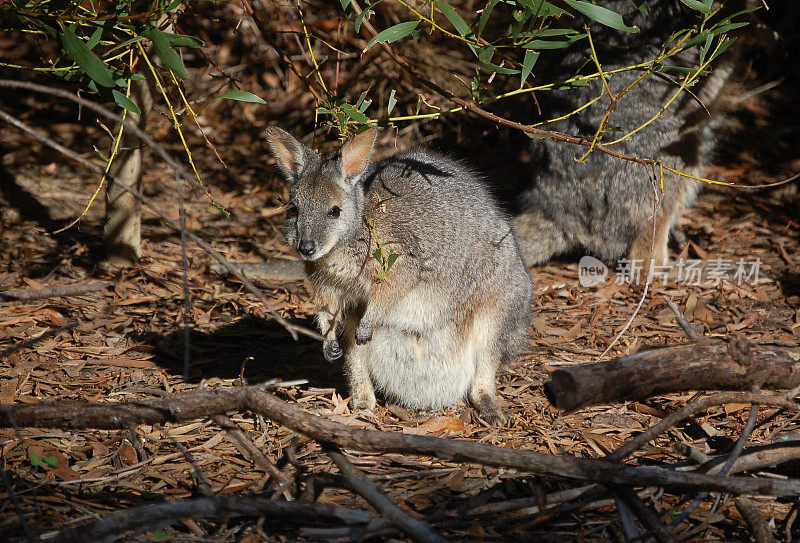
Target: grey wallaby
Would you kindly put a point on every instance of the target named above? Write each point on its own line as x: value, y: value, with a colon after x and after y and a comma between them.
x: 608, y: 207
x: 413, y: 266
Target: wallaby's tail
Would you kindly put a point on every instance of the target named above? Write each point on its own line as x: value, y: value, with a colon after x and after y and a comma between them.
x: 538, y: 237
x: 271, y: 270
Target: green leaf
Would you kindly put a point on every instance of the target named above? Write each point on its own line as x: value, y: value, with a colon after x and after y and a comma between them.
x: 487, y: 11
x: 602, y: 15
x: 390, y: 262
x: 393, y: 33
x: 345, y: 4
x: 354, y: 114
x: 727, y: 43
x: 499, y: 69
x: 167, y: 55
x: 705, y: 7
x: 51, y: 460
x: 122, y: 100
x: 85, y: 59
x: 455, y: 19
x: 392, y: 103
x: 241, y: 96
x: 36, y: 460
x: 95, y: 38
x: 173, y: 5
x: 642, y: 6
x: 527, y: 65
x: 378, y: 255
x: 540, y: 8
x: 182, y: 40
x: 560, y: 43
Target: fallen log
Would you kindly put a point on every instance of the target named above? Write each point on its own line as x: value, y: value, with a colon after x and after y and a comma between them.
x: 700, y: 365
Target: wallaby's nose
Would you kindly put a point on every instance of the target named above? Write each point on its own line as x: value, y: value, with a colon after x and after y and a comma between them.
x: 307, y: 248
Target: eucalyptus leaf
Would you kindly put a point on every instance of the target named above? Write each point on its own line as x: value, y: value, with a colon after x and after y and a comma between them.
x: 123, y: 101
x: 602, y: 15
x: 241, y: 96
x: 167, y: 55
x: 88, y: 62
x: 392, y: 103
x: 393, y: 33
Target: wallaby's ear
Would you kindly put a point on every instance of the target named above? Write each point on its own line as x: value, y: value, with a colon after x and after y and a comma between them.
x: 290, y: 153
x: 356, y: 154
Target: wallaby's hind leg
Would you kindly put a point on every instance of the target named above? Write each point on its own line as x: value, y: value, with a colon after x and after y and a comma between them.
x: 640, y: 251
x: 362, y: 391
x: 484, y: 346
x: 539, y: 238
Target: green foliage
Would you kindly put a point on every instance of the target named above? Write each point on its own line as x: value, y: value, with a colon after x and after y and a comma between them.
x: 507, y: 39
x: 99, y: 41
x: 37, y: 461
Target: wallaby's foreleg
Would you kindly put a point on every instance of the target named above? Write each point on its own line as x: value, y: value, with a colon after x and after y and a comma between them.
x: 399, y: 279
x: 328, y: 320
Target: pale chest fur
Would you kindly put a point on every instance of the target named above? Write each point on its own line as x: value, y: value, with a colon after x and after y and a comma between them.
x: 344, y: 274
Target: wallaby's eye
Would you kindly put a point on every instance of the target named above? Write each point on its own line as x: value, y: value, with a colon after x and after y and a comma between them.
x: 334, y: 212
x: 291, y: 210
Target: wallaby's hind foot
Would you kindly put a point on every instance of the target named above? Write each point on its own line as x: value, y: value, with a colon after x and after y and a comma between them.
x: 489, y: 410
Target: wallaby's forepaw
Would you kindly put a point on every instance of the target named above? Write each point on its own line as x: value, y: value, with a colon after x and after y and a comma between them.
x: 363, y: 333
x: 331, y: 350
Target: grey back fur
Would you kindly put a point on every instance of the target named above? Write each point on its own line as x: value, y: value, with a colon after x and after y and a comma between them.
x: 433, y: 327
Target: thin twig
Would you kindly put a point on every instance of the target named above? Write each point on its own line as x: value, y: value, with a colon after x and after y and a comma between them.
x: 417, y: 529
x: 678, y: 415
x: 693, y: 334
x: 52, y: 292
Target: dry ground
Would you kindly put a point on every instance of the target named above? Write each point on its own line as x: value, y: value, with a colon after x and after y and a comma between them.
x: 129, y: 345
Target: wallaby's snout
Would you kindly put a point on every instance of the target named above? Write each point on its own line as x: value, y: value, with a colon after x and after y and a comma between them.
x: 307, y: 248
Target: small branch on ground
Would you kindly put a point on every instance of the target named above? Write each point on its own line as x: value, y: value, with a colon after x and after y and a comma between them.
x: 377, y: 498
x: 157, y: 516
x: 52, y: 292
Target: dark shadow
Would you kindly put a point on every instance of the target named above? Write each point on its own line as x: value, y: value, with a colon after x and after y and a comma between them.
x: 262, y: 350
x: 32, y: 210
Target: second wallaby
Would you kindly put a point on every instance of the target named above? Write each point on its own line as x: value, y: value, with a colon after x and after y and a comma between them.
x: 413, y: 265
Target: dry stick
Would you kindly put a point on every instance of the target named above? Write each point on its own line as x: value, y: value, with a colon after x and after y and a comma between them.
x: 52, y: 292
x: 648, y: 518
x: 693, y: 334
x: 726, y: 469
x: 679, y: 414
x: 248, y: 449
x: 203, y: 404
x: 754, y: 520
x: 156, y: 516
x: 359, y: 483
x: 293, y: 329
x: 27, y: 343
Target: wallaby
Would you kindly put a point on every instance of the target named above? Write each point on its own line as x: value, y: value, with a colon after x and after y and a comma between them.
x: 413, y: 265
x: 609, y: 207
